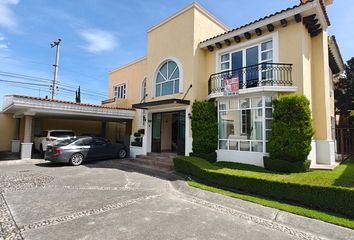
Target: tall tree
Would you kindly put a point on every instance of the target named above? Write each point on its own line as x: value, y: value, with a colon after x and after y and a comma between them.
x: 344, y: 91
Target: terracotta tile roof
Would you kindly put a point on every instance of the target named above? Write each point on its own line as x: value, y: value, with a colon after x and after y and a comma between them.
x: 272, y: 15
x: 68, y: 102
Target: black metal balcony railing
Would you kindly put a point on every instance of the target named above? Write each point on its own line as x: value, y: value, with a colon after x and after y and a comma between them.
x: 263, y: 74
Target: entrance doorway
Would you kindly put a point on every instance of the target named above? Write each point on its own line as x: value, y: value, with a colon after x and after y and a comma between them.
x: 168, y: 132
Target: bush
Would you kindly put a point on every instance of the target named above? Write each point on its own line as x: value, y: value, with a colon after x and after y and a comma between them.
x: 336, y: 199
x: 137, y: 134
x: 285, y: 166
x: 210, y: 157
x: 137, y: 144
x: 138, y: 138
x: 292, y: 130
x: 204, y: 127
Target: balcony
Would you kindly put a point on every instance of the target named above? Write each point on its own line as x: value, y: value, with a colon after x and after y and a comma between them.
x: 260, y: 77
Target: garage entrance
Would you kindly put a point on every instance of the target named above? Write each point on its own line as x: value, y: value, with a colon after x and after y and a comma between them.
x: 30, y: 116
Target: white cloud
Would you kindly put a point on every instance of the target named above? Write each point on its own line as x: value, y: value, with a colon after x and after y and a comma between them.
x: 3, y: 45
x: 98, y: 41
x: 7, y: 17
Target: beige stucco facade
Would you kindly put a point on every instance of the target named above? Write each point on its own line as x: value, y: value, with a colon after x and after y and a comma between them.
x: 195, y: 40
x: 182, y: 39
x: 7, y: 131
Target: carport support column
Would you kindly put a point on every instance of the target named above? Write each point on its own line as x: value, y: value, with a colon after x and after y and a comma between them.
x: 26, y: 146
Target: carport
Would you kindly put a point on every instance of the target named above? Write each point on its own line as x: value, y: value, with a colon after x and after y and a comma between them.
x: 32, y: 115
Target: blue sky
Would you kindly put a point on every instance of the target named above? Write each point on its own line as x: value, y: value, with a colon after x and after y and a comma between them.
x: 98, y: 36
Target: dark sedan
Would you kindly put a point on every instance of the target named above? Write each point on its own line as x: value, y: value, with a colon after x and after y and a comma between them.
x: 77, y: 150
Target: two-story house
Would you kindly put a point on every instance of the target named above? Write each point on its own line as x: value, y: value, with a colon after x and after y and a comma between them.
x: 193, y: 56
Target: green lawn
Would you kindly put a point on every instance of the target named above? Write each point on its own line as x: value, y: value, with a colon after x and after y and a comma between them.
x: 299, y: 210
x: 341, y: 176
x: 320, y: 194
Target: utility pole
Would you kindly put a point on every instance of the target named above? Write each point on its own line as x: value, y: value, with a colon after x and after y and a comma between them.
x: 55, y: 44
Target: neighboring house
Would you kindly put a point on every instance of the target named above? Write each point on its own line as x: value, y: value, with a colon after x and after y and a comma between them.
x: 193, y: 56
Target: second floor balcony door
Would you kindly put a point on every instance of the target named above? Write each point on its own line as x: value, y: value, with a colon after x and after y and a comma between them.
x: 241, y: 61
x: 252, y: 73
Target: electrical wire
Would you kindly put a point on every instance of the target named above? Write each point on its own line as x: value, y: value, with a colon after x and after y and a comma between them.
x: 84, y: 91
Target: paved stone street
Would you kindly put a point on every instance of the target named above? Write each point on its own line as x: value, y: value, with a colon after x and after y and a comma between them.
x: 112, y: 200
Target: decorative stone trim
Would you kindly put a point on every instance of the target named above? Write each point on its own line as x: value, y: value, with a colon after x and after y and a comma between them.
x: 23, y: 181
x: 8, y: 227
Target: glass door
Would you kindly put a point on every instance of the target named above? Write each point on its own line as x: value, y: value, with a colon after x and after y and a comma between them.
x: 237, y: 63
x: 181, y: 133
x: 252, y: 71
x: 156, y: 132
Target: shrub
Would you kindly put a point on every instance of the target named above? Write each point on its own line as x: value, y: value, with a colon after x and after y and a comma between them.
x: 137, y: 135
x: 138, y: 140
x: 204, y: 127
x: 336, y: 199
x: 210, y: 157
x: 292, y: 130
x: 137, y: 144
x: 285, y: 166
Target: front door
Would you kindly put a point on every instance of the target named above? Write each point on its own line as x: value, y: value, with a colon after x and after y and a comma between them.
x: 156, y: 132
x: 175, y: 132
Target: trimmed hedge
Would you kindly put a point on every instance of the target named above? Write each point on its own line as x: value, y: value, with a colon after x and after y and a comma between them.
x: 204, y: 127
x: 285, y: 166
x: 335, y: 199
x: 292, y: 130
x: 210, y: 157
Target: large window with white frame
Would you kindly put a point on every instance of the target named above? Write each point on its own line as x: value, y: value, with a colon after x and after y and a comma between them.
x: 167, y: 79
x: 120, y: 91
x: 245, y: 123
x: 261, y: 54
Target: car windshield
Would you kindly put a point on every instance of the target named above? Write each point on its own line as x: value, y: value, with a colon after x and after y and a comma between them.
x: 65, y: 142
x: 62, y: 134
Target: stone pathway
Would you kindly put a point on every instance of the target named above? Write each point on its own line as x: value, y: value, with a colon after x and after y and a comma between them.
x: 109, y: 200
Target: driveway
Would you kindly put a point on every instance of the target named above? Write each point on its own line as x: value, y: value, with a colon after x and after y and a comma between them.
x: 115, y: 200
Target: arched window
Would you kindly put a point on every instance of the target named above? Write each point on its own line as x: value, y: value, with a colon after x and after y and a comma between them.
x: 167, y: 79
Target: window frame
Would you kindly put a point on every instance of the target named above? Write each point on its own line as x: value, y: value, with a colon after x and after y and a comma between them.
x: 227, y: 108
x: 274, y: 37
x: 120, y: 91
x: 180, y: 85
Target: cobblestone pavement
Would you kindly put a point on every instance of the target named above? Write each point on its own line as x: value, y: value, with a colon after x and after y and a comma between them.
x: 111, y: 200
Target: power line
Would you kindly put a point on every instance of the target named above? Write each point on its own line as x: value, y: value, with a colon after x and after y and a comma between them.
x: 31, y: 84
x: 16, y: 75
x: 46, y: 80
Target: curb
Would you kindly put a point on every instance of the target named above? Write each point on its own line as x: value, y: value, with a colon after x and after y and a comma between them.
x: 302, y: 225
x: 20, y: 162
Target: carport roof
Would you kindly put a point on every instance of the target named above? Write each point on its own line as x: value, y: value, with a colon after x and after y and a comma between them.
x: 27, y: 105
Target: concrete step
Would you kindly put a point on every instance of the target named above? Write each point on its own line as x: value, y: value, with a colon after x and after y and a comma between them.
x: 147, y: 161
x: 155, y: 158
x: 163, y: 154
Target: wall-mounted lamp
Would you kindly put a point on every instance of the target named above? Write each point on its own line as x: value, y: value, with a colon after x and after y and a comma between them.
x: 190, y: 116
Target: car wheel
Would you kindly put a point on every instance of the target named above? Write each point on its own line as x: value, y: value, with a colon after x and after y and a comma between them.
x: 122, y: 153
x: 76, y: 159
